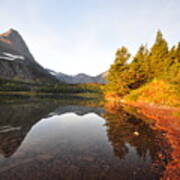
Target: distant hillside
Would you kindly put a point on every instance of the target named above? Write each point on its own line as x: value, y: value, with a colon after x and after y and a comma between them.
x: 17, y: 62
x: 79, y: 78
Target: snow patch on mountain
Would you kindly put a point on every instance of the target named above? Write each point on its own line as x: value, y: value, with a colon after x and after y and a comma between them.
x: 11, y: 57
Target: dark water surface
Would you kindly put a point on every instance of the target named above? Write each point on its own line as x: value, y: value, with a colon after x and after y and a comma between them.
x: 47, y: 140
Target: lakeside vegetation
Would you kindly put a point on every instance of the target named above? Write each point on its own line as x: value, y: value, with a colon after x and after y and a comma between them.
x: 152, y: 75
x: 156, y: 92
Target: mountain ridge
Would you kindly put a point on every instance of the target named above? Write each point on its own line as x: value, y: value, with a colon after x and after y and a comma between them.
x: 79, y: 78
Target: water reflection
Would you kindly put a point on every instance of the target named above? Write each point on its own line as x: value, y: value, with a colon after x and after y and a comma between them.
x: 78, y: 109
x: 16, y: 120
x: 51, y: 140
x: 133, y: 139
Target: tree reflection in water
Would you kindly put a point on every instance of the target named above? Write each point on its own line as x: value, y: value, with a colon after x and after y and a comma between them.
x: 124, y: 129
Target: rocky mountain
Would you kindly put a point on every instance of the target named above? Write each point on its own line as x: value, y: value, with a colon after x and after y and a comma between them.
x: 79, y: 78
x: 17, y: 62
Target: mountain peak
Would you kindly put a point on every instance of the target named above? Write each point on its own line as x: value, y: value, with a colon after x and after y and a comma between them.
x: 13, y: 31
x: 13, y: 40
x: 9, y: 33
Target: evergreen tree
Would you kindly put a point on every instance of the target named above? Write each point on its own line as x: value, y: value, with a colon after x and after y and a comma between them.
x: 157, y: 57
x: 173, y: 65
x: 138, y: 68
x: 115, y: 75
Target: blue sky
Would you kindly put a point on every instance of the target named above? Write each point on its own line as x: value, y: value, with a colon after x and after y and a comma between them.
x: 74, y: 36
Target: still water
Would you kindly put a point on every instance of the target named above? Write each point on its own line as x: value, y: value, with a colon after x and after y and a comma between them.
x: 41, y: 140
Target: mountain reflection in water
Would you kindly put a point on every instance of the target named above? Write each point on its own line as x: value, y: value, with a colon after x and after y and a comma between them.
x: 48, y: 140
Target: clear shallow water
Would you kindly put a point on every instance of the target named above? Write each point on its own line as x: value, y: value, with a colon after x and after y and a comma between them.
x: 47, y: 140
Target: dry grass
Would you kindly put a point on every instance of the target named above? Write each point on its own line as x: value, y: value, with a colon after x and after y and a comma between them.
x: 156, y: 92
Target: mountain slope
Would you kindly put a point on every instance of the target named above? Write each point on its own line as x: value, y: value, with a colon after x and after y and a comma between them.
x: 17, y: 62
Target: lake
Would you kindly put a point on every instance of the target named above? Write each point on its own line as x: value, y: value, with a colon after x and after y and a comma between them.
x: 50, y: 139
